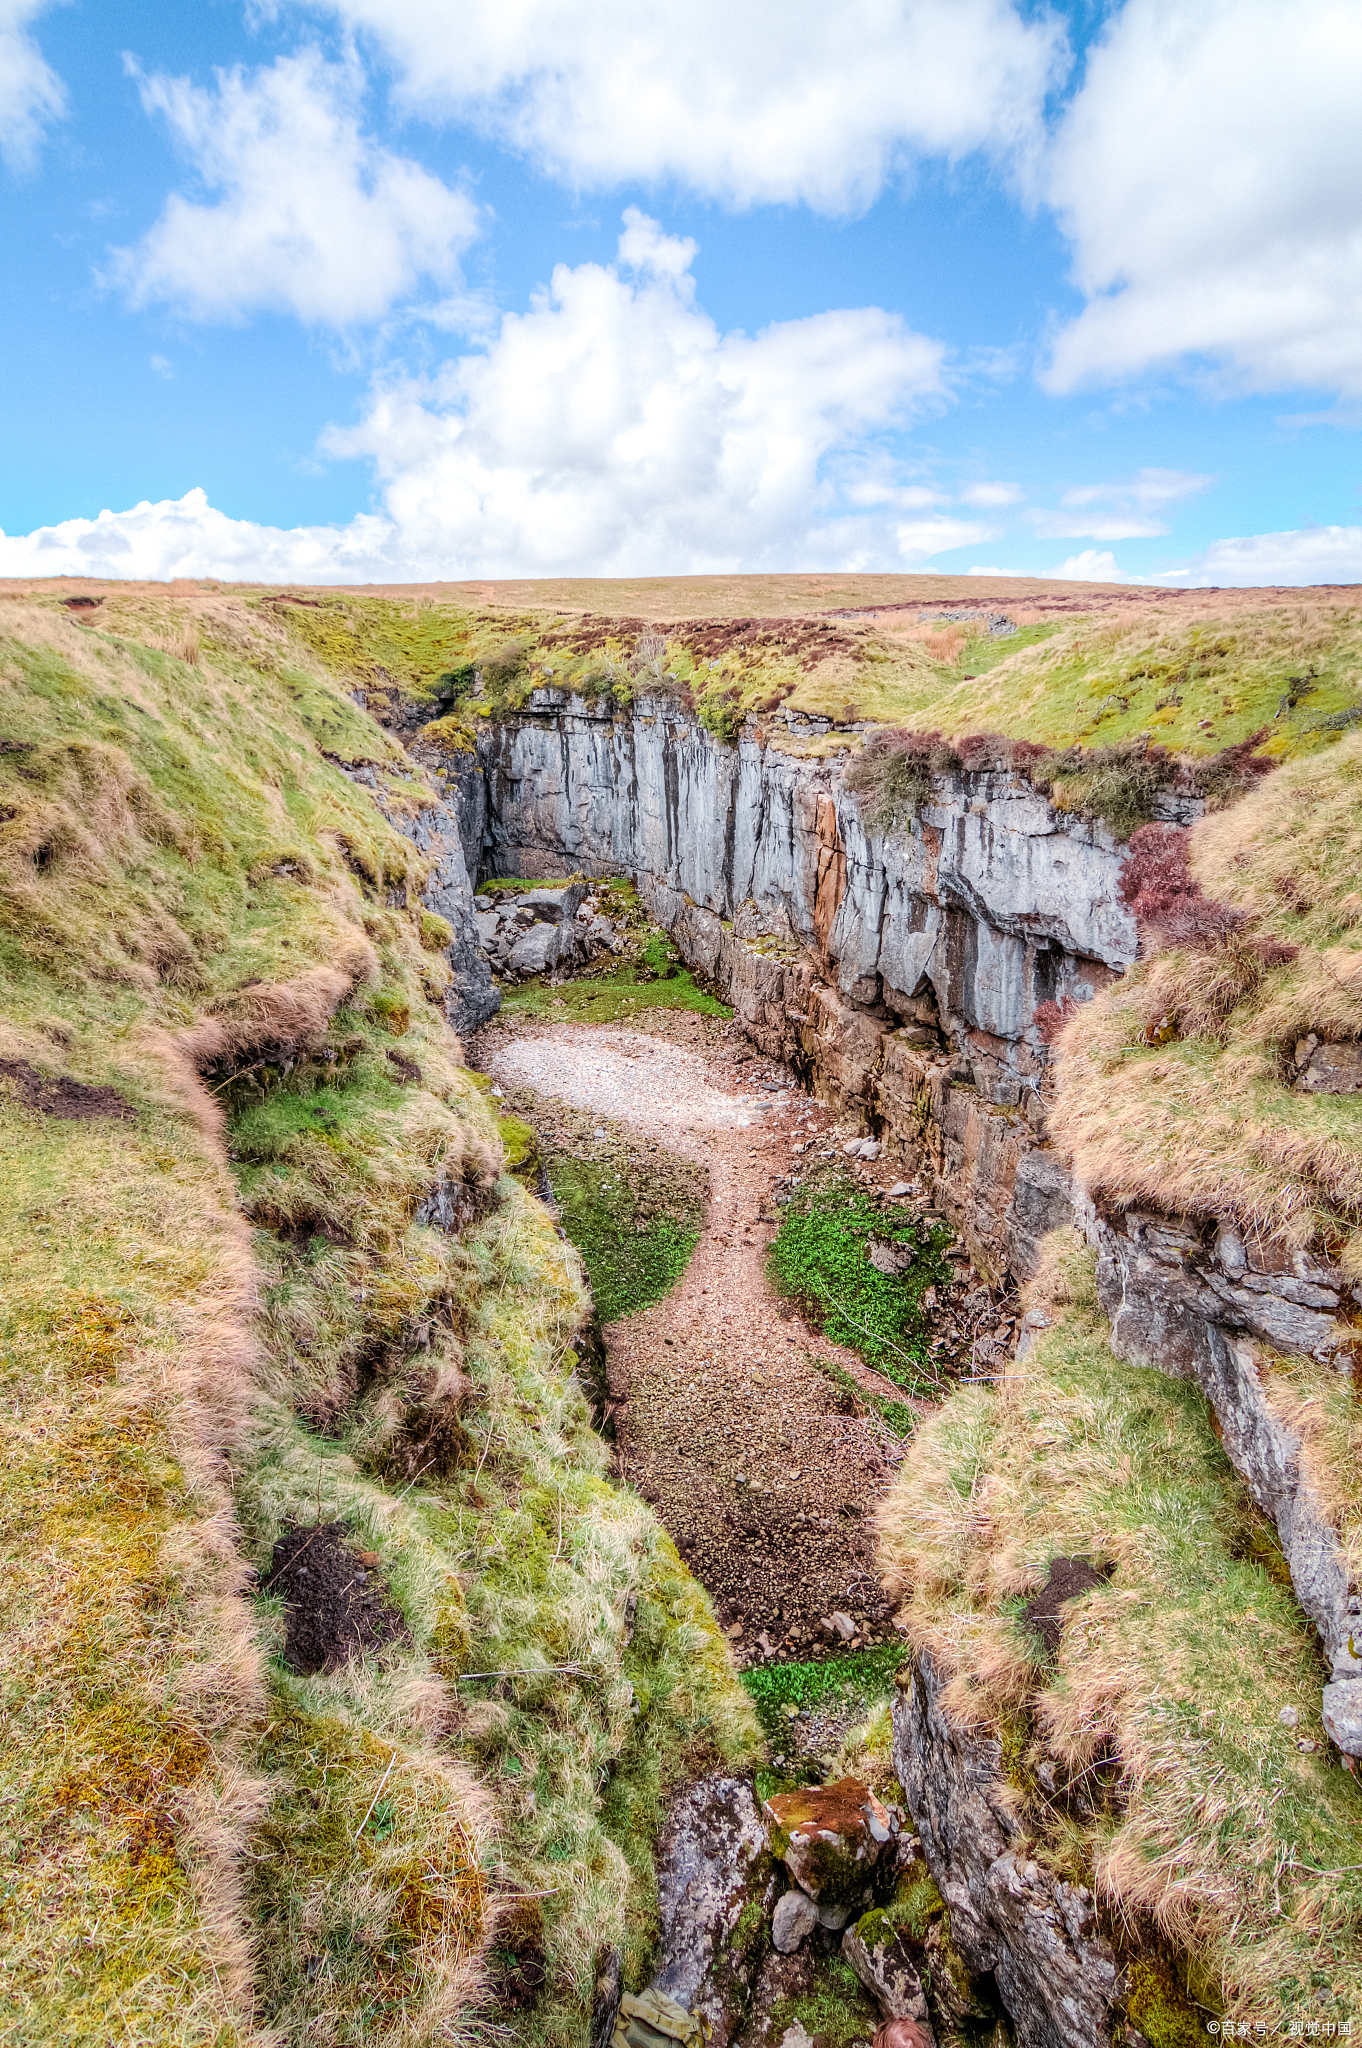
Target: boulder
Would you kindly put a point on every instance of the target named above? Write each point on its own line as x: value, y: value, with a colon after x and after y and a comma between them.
x: 553, y: 905
x: 880, y: 1955
x: 1342, y: 1704
x: 832, y: 1839
x: 535, y: 951
x: 713, y: 1865
x: 1329, y: 1069
x: 793, y: 1921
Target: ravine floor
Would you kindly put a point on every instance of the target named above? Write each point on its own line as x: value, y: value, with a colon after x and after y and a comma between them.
x: 726, y: 1420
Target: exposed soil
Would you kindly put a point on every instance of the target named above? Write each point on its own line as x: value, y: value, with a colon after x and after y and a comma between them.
x: 59, y: 1096
x: 1069, y: 1576
x: 726, y: 1418
x: 335, y: 1602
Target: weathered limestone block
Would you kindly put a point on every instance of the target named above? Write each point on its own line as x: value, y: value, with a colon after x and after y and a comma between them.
x: 713, y: 1861
x: 832, y: 1839
x: 883, y: 1960
x: 1055, y: 1973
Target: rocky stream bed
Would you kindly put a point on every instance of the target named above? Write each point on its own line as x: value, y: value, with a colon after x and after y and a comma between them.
x: 798, y: 1909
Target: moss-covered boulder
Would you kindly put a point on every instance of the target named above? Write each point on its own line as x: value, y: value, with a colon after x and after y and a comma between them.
x: 833, y: 1840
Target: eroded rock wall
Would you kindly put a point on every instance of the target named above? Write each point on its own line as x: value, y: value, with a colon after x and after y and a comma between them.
x: 990, y: 904
x: 900, y: 976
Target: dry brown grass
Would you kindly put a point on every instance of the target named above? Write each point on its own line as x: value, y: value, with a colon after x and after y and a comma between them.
x: 186, y: 885
x: 1209, y: 1823
x: 131, y: 1677
x: 1173, y: 1087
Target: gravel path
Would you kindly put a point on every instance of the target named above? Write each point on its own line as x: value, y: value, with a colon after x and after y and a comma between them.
x: 725, y: 1420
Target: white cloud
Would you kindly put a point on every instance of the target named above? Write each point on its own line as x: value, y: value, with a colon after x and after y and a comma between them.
x: 919, y: 539
x: 1090, y: 566
x: 613, y: 428
x: 991, y: 496
x: 1127, y: 509
x: 610, y: 429
x: 187, y: 537
x: 770, y: 101
x: 313, y: 217
x: 1209, y: 173
x: 1310, y: 554
x: 31, y: 94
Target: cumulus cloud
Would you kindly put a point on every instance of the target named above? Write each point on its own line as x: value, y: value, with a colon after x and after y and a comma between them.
x: 613, y: 428
x: 774, y: 100
x: 1127, y: 509
x: 310, y: 216
x: 31, y: 94
x: 1209, y: 174
x: 610, y: 429
x: 187, y: 537
x: 1091, y: 565
x: 1310, y: 554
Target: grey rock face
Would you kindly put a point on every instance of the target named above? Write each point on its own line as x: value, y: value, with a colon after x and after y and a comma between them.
x: 992, y: 903
x: 712, y: 1861
x: 1055, y: 1973
x: 793, y: 1921
x: 884, y: 1963
x: 471, y: 998
x: 1343, y: 1714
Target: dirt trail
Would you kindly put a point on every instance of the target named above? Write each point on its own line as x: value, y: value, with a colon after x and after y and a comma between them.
x: 725, y: 1421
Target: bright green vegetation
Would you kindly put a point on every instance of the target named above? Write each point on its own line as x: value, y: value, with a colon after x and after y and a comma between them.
x: 633, y: 1211
x: 1159, y: 1721
x: 838, y: 2010
x: 820, y: 1257
x: 648, y: 976
x: 219, y: 1319
x: 860, y: 1676
x: 633, y: 1250
x: 1195, y: 684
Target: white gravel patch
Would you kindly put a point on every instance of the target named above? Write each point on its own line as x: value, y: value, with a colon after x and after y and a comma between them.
x: 623, y: 1074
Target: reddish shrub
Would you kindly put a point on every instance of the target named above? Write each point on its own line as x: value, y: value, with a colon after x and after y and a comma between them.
x: 1166, y: 897
x: 1223, y: 775
x: 984, y: 750
x: 1052, y: 1017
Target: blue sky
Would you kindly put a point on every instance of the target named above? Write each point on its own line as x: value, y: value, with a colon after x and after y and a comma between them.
x: 400, y: 289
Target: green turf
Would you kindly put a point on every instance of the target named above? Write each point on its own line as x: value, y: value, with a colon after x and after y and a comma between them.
x: 819, y: 1257
x: 634, y: 1221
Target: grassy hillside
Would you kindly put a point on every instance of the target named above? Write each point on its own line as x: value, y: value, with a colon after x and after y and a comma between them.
x: 1194, y: 679
x: 234, y: 1362
x: 1144, y: 1739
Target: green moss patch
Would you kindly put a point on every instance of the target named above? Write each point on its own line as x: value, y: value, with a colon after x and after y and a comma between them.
x: 861, y: 1676
x: 634, y: 1212
x: 820, y: 1257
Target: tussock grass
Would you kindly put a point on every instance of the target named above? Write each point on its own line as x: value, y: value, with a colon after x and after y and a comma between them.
x: 1178, y: 1791
x: 1174, y: 1085
x: 200, y: 911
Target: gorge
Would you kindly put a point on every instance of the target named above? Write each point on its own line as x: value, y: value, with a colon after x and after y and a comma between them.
x: 929, y: 936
